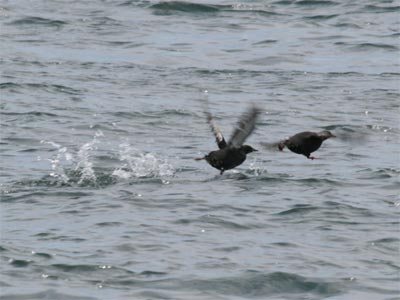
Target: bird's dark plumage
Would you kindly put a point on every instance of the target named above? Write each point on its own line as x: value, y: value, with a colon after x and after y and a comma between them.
x: 305, y: 142
x: 232, y: 153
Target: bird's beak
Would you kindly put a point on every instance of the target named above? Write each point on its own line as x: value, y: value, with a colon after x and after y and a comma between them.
x: 333, y: 135
x: 255, y: 150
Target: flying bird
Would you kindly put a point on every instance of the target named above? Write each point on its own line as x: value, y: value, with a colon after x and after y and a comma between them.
x: 232, y: 153
x: 305, y: 142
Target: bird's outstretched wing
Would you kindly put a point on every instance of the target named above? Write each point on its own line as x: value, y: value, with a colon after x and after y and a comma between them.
x: 244, y: 127
x: 219, y: 138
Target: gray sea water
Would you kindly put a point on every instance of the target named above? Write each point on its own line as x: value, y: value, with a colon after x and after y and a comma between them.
x: 101, y: 117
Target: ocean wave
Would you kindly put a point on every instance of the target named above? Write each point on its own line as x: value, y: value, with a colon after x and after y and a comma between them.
x: 52, y: 88
x: 298, y: 209
x: 380, y: 173
x: 320, y: 17
x: 367, y: 46
x: 29, y: 21
x: 170, y: 7
x: 153, y: 114
x: 46, y: 294
x: 380, y: 9
x: 213, y: 220
x: 189, y: 7
x: 29, y: 113
x: 315, y: 3
x: 347, y: 25
x: 252, y: 284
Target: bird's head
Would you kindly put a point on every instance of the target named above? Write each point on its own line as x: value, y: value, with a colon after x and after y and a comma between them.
x: 282, y: 144
x: 248, y: 149
x: 326, y: 134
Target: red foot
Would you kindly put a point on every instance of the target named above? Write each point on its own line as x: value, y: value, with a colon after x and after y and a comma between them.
x: 312, y: 157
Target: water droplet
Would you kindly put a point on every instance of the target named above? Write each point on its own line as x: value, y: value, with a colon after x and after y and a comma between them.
x: 105, y: 267
x: 99, y: 133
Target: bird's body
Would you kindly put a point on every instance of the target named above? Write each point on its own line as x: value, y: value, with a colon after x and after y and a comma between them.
x: 233, y: 153
x: 227, y: 158
x: 305, y: 142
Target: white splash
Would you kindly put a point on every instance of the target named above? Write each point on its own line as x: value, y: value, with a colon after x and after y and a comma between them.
x: 139, y: 164
x: 256, y: 169
x: 85, y: 164
x: 83, y: 157
x: 79, y: 166
x: 56, y: 161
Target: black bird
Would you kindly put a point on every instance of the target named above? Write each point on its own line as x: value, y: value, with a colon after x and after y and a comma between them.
x: 233, y: 153
x: 305, y: 142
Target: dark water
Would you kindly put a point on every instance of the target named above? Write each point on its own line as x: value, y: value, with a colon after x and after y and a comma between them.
x: 102, y: 115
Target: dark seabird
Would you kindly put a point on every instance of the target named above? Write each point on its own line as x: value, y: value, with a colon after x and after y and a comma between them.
x: 305, y: 142
x: 233, y: 153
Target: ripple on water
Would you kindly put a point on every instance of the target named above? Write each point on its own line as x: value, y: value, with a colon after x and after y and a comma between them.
x: 214, y: 220
x: 314, y: 3
x: 388, y: 243
x: 187, y: 7
x: 300, y: 209
x: 250, y: 284
x: 381, y: 9
x: 367, y: 46
x: 37, y: 21
x: 382, y: 173
x: 19, y: 263
x: 51, y: 88
x: 46, y: 294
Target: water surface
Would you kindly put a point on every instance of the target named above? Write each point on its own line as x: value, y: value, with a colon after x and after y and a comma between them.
x: 102, y: 115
